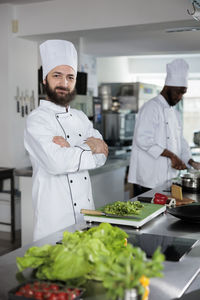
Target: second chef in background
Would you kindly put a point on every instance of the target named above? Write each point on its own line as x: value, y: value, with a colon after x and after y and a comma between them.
x: 159, y: 148
x: 62, y: 144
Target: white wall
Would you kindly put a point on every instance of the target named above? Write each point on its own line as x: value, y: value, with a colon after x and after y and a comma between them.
x: 5, y: 114
x: 24, y: 71
x: 113, y: 69
x: 18, y: 62
x: 88, y: 64
x: 150, y: 68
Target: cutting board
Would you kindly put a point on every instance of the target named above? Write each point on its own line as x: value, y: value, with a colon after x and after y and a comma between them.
x: 182, y: 202
x: 177, y: 194
x: 147, y: 213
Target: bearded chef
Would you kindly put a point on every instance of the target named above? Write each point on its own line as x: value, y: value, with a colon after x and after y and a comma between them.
x: 62, y: 144
x: 159, y: 149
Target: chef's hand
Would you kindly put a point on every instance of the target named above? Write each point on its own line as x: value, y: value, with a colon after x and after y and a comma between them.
x: 97, y: 145
x: 177, y: 163
x: 194, y: 164
x: 59, y: 140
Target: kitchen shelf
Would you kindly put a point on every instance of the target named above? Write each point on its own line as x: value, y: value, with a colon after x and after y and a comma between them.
x: 8, y: 173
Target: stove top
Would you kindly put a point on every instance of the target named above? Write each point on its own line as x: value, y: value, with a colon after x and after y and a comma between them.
x: 174, y: 248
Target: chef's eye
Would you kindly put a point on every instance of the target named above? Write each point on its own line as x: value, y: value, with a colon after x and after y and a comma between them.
x: 57, y: 76
x: 71, y: 78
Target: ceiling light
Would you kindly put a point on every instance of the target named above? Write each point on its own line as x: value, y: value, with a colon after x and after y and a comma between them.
x: 182, y: 29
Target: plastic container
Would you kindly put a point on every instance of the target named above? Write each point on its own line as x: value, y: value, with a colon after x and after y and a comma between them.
x: 39, y: 290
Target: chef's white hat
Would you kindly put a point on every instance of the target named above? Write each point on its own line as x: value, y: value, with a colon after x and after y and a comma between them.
x: 56, y: 53
x: 177, y: 73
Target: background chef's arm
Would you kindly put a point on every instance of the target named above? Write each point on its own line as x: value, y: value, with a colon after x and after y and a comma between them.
x: 187, y: 157
x: 50, y: 156
x: 176, y: 162
x: 145, y: 131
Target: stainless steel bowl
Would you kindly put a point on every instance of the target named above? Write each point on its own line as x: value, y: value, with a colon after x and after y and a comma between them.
x: 191, y: 181
x: 196, y: 137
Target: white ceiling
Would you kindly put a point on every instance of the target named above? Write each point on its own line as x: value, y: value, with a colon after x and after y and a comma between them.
x: 147, y: 39
x: 16, y: 2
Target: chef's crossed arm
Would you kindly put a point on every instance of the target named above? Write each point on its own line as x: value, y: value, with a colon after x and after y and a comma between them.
x: 96, y: 145
x: 58, y: 160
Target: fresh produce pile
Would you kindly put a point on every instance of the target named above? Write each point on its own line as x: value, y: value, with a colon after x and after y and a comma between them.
x: 101, y: 253
x: 124, y: 208
x: 42, y: 290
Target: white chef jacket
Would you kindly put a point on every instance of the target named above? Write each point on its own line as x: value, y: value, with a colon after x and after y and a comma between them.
x: 61, y: 182
x: 158, y: 127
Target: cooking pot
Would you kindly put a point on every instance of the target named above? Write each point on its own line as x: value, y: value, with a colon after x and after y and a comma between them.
x: 196, y: 137
x: 191, y: 181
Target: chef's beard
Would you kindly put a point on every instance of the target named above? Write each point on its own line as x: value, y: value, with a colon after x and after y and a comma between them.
x: 58, y: 99
x: 171, y: 101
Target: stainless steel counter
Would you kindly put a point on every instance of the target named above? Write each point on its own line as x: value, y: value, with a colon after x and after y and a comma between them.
x: 182, y: 275
x: 178, y: 276
x: 111, y: 164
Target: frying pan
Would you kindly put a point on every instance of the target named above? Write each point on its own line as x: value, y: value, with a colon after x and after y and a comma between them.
x: 189, y: 213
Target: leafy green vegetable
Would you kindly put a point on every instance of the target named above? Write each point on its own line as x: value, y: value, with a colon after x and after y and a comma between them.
x: 126, y: 270
x: 101, y: 253
x: 124, y: 208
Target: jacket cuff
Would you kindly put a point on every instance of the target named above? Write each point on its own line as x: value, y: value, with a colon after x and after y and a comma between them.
x: 186, y: 159
x: 155, y: 151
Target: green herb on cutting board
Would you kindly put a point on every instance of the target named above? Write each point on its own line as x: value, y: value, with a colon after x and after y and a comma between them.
x: 101, y: 254
x: 124, y: 208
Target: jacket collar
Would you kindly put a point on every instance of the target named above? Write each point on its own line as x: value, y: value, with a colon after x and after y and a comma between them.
x: 163, y: 101
x: 53, y: 106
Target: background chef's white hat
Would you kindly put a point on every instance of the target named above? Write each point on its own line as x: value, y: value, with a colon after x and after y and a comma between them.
x: 177, y: 73
x: 56, y: 53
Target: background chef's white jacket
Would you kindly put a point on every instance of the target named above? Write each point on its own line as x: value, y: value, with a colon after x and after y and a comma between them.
x: 158, y: 127
x: 61, y: 182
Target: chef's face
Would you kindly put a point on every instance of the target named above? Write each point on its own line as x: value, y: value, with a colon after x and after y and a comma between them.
x: 60, y: 85
x: 175, y: 94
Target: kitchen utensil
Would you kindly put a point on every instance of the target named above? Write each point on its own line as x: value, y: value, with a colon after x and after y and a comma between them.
x: 189, y: 213
x: 101, y: 213
x: 191, y: 181
x: 144, y: 199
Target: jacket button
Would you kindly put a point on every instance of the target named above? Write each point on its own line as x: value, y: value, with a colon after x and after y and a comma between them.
x: 89, y: 200
x: 67, y: 136
x: 74, y: 204
x: 71, y: 181
x: 57, y: 116
x: 85, y: 178
x: 79, y: 134
x: 70, y: 115
x: 168, y: 138
x: 167, y: 123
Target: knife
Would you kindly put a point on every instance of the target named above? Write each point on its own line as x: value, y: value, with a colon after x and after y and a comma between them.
x: 101, y: 213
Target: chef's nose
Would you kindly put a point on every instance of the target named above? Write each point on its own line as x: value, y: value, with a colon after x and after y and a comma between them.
x: 64, y: 81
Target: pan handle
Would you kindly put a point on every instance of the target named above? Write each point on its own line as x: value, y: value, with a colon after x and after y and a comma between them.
x: 91, y: 212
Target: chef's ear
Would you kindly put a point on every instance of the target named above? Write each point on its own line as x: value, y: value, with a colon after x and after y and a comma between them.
x: 44, y: 81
